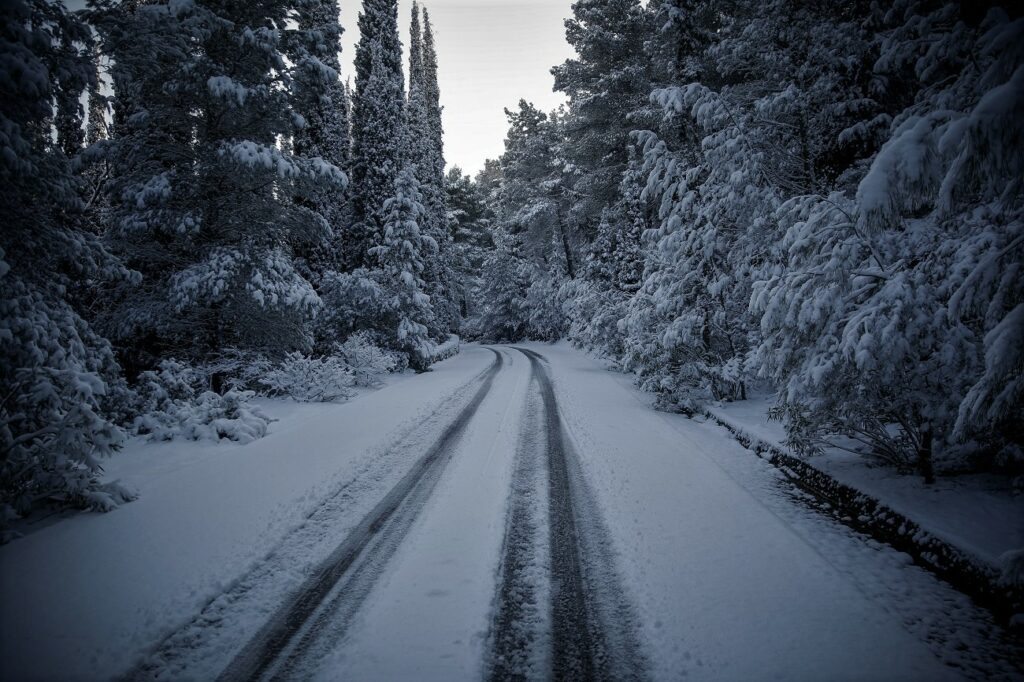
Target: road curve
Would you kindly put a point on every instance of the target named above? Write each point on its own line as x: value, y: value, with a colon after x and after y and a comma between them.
x: 263, y: 651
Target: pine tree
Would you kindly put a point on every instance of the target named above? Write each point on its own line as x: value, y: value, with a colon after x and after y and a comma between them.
x: 400, y: 258
x: 503, y: 315
x: 685, y: 28
x: 628, y: 257
x: 608, y: 84
x: 530, y: 199
x: 96, y: 172
x: 470, y: 218
x: 203, y: 193
x: 68, y: 119
x: 909, y: 284
x: 97, y: 128
x: 377, y: 127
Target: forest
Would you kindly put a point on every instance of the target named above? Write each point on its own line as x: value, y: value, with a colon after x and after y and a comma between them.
x: 819, y: 201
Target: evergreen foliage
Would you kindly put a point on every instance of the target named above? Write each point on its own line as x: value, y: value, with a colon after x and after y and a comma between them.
x: 179, y: 218
x: 400, y: 258
x: 822, y: 201
x: 58, y: 377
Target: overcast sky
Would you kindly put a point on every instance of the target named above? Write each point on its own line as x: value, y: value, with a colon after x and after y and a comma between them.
x: 491, y: 53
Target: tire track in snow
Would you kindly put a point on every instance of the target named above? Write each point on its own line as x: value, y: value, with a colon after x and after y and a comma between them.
x: 519, y: 648
x: 591, y: 630
x: 389, y: 518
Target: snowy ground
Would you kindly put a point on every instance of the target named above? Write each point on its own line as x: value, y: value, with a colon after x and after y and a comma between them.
x: 83, y: 597
x: 715, y: 566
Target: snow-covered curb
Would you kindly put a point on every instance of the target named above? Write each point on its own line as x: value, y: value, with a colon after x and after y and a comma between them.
x: 866, y: 514
x: 445, y: 350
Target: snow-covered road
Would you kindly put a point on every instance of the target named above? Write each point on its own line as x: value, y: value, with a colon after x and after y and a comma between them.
x: 516, y: 512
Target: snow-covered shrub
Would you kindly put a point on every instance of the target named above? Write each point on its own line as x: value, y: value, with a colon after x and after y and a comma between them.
x: 54, y: 376
x: 173, y: 403
x: 352, y: 301
x: 365, y: 359
x: 108, y: 496
x: 309, y: 379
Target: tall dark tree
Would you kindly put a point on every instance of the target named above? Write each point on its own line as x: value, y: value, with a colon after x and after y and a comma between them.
x: 377, y: 127
x: 435, y: 127
x: 400, y: 263
x: 608, y: 83
x: 322, y: 101
x: 56, y: 373
x: 418, y: 144
x: 439, y: 276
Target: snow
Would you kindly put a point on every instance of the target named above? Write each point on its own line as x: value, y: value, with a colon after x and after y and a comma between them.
x: 84, y: 596
x: 724, y: 586
x: 435, y: 596
x: 730, y: 577
x: 977, y: 513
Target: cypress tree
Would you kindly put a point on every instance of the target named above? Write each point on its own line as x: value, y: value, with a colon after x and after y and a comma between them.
x: 440, y: 275
x: 419, y: 145
x: 436, y: 203
x: 377, y: 127
x: 323, y: 102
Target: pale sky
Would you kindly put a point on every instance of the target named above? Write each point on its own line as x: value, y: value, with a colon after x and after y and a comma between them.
x: 491, y: 54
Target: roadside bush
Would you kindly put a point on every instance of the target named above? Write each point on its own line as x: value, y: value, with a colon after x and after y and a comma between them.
x: 308, y: 379
x: 366, y: 360
x: 172, y: 402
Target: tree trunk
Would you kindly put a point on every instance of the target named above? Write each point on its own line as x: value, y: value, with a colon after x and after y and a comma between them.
x: 568, y: 255
x: 924, y: 455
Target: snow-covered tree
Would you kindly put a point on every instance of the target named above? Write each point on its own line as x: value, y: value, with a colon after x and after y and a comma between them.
x: 608, y: 83
x: 400, y: 257
x: 439, y: 274
x: 596, y: 303
x: 907, y: 290
x: 322, y: 102
x: 204, y: 196
x: 435, y: 198
x: 97, y: 127
x: 57, y: 375
x: 377, y: 127
x: 683, y: 31
x: 416, y: 126
x: 503, y: 314
x: 469, y: 219
x: 530, y: 198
